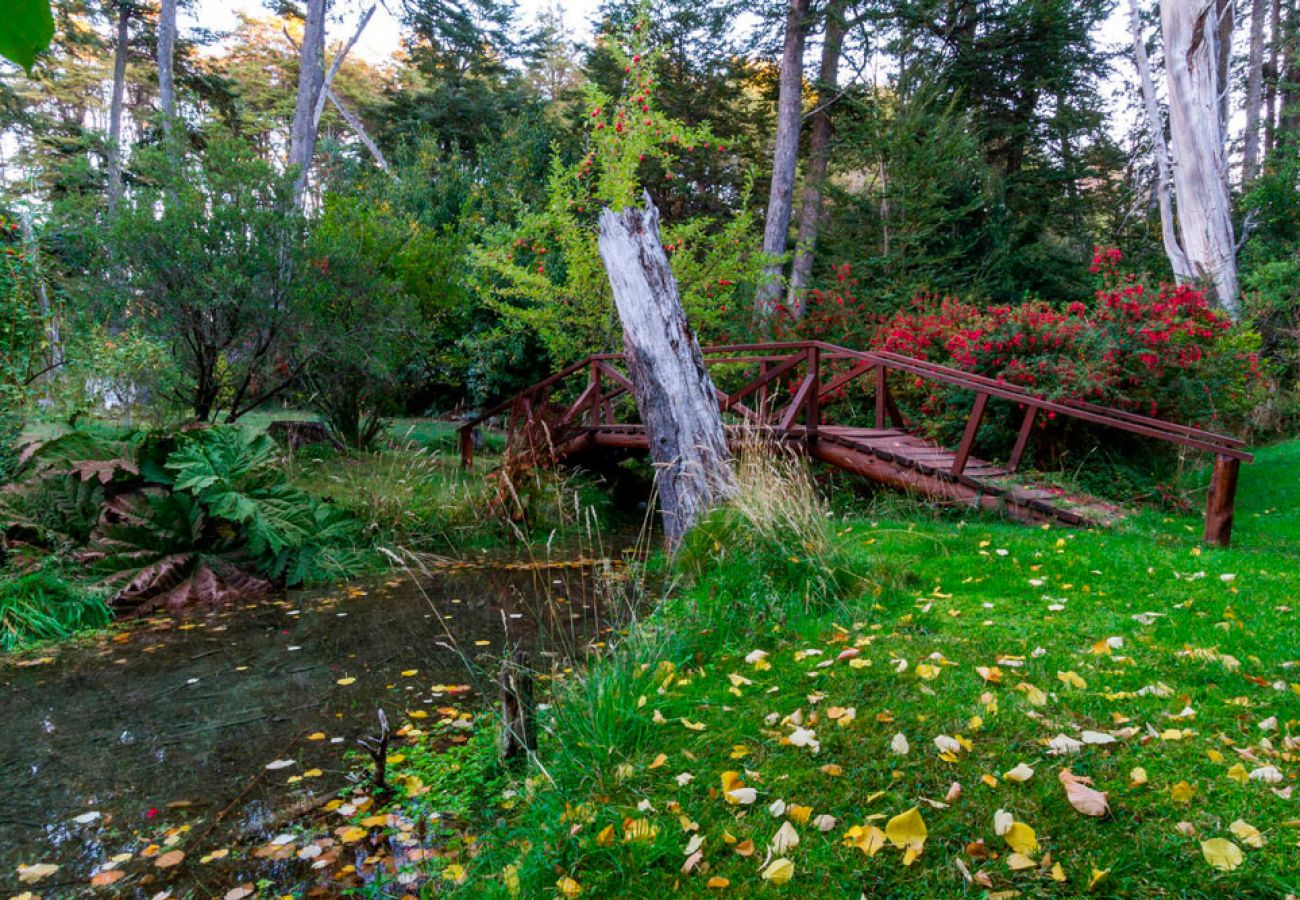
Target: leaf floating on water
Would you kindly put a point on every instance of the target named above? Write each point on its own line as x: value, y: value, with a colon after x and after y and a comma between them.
x: 104, y: 879
x: 346, y: 681
x: 170, y: 859
x: 280, y: 764
x: 33, y: 874
x: 239, y: 893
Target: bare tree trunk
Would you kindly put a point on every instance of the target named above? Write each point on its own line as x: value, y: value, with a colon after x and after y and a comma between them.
x: 115, y: 107
x: 1270, y: 76
x: 311, y: 79
x: 167, y: 64
x: 1287, y: 77
x: 1225, y: 13
x: 1200, y: 164
x: 674, y: 394
x: 819, y: 153
x: 1254, y: 91
x: 785, y: 156
x: 1160, y: 150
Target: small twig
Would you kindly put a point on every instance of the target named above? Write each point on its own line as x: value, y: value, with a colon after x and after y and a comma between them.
x: 377, y: 747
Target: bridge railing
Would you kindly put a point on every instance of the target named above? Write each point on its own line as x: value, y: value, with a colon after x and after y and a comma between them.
x: 815, y: 369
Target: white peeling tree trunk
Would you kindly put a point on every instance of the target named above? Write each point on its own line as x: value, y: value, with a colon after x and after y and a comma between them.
x: 673, y: 391
x: 1200, y: 160
x: 1160, y: 150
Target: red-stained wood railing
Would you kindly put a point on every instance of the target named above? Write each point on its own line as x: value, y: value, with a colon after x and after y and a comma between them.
x: 782, y: 363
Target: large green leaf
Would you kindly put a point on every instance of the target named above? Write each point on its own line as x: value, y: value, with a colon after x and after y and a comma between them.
x: 26, y: 28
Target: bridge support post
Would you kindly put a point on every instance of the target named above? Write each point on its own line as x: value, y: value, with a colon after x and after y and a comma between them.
x: 466, y: 447
x: 1219, y: 506
x: 813, y: 411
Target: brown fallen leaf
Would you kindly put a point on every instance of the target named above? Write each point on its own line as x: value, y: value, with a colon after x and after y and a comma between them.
x: 103, y: 879
x: 1085, y: 799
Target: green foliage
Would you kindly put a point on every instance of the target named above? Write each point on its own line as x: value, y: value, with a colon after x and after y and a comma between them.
x: 766, y: 558
x: 361, y: 329
x: 207, y: 245
x: 27, y: 29
x: 545, y: 275
x: 21, y: 340
x: 127, y: 371
x: 236, y: 478
x: 203, y: 516
x: 41, y: 606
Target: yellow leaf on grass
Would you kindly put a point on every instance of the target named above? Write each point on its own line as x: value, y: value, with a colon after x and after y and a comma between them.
x: 717, y: 883
x: 352, y: 835
x: 1072, y: 679
x: 1057, y: 873
x: 1137, y: 776
x: 800, y: 814
x: 346, y: 681
x: 1096, y: 876
x: 779, y: 871
x: 907, y: 830
x: 1221, y: 853
x: 454, y: 872
x: 659, y: 761
x: 1239, y: 774
x: 1182, y: 792
x: 745, y: 848
x: 1033, y: 694
x: 606, y: 837
x: 1021, y: 838
x: 1246, y: 833
x: 568, y: 887
x: 867, y: 838
x: 1018, y: 861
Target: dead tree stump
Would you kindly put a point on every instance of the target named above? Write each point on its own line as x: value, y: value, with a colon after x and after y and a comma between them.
x: 517, y: 739
x: 672, y: 387
x: 294, y: 434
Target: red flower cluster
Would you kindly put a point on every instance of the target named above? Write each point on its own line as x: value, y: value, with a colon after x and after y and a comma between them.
x: 1161, y: 352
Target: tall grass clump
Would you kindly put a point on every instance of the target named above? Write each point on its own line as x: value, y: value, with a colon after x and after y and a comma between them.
x: 769, y: 556
x: 40, y: 606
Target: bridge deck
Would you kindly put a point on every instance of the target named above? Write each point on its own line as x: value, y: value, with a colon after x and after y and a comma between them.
x: 787, y: 390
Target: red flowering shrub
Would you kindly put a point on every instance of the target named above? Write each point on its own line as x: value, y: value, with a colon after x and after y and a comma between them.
x: 1160, y: 352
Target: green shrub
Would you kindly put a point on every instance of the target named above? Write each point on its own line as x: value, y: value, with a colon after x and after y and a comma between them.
x: 40, y: 606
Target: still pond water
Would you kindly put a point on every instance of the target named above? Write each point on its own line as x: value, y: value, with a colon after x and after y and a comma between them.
x: 108, y: 747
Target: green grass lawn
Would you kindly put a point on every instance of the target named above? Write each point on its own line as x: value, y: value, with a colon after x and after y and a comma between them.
x: 1166, y: 672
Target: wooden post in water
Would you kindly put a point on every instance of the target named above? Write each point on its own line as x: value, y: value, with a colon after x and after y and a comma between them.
x: 518, y: 735
x: 1219, y: 505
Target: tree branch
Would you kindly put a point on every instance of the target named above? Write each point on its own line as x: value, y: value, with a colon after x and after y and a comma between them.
x: 338, y: 61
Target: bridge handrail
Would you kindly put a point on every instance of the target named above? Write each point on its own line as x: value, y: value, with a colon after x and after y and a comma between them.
x: 1186, y: 435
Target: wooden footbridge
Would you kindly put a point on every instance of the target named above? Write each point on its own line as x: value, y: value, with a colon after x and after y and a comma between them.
x: 787, y: 392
